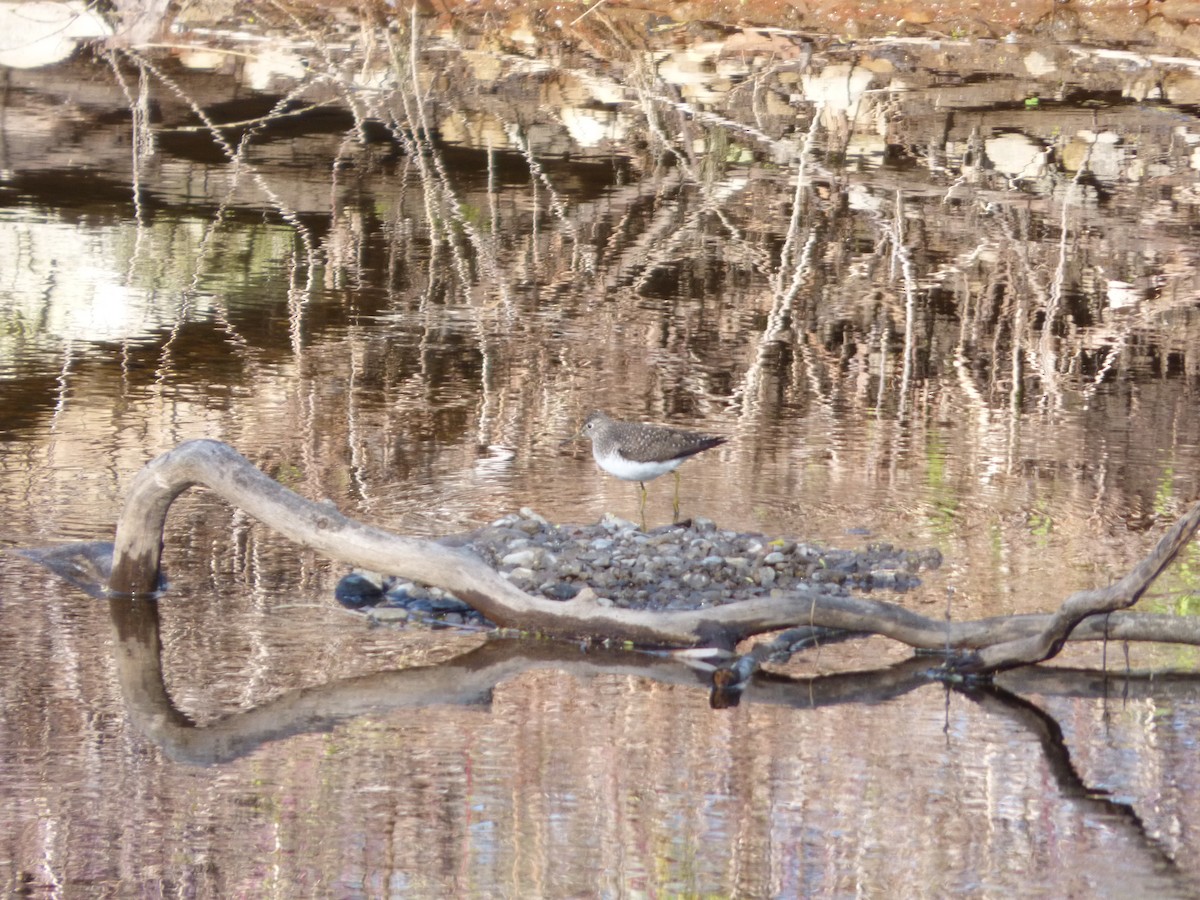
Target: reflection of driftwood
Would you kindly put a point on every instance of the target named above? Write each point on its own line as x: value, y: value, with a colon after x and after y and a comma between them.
x: 464, y: 680
x: 994, y: 644
x: 469, y: 679
x: 1042, y: 726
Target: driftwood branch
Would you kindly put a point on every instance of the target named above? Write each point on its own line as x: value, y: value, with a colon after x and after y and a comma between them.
x: 974, y: 647
x: 1049, y: 640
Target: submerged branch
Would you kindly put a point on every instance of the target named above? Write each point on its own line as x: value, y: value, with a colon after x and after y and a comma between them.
x: 994, y: 644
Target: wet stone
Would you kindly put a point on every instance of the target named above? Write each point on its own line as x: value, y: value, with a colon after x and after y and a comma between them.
x: 560, y: 590
x: 449, y: 604
x: 828, y: 576
x: 528, y: 514
x: 520, y: 575
x: 359, y: 590
x: 388, y: 614
x: 528, y: 558
x: 602, y: 579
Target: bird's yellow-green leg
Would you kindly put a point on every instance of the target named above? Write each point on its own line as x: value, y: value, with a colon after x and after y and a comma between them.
x: 676, y: 505
x: 642, y: 509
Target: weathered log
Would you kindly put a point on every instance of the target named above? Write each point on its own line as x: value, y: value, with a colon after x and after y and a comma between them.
x: 994, y: 643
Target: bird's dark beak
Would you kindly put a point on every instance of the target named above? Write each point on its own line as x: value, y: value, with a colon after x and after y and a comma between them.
x: 576, y: 436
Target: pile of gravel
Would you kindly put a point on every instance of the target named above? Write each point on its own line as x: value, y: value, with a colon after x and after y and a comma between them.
x: 686, y: 566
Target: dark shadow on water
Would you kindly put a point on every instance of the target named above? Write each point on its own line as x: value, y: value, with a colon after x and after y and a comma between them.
x: 86, y: 565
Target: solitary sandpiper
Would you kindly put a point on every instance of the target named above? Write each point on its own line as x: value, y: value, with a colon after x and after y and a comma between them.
x: 639, y: 452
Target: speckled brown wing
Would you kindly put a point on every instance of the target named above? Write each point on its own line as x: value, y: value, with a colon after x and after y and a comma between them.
x: 655, y: 444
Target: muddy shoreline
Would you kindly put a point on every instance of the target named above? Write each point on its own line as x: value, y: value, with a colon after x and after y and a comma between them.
x: 609, y: 27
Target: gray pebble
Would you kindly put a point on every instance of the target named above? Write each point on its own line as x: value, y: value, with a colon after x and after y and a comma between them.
x: 528, y: 558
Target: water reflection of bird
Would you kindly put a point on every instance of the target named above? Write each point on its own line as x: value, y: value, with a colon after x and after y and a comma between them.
x: 639, y: 452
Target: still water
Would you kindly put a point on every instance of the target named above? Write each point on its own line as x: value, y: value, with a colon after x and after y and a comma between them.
x: 936, y: 294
